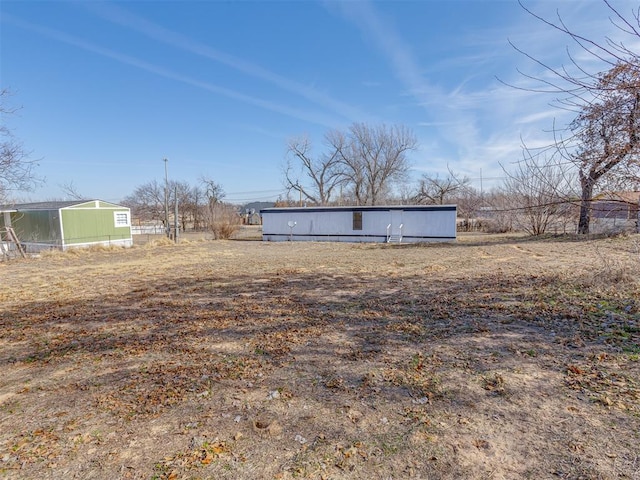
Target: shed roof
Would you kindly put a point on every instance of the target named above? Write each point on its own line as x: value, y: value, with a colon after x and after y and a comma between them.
x: 53, y: 205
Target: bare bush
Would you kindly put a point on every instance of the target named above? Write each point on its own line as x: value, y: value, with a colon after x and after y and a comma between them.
x: 497, y: 216
x: 538, y: 189
x: 223, y: 220
x: 496, y: 225
x: 613, y: 270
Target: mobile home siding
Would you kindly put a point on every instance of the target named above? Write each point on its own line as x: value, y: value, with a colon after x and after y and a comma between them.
x: 419, y: 223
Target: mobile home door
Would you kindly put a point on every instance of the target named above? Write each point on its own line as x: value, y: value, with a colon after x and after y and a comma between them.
x: 396, y: 222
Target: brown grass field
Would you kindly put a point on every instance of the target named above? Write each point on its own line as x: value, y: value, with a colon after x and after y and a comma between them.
x: 493, y: 357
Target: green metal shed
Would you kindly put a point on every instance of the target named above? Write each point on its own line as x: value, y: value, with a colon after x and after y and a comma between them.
x: 68, y: 224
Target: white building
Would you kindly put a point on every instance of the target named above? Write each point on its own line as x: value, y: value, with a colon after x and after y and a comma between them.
x: 397, y: 224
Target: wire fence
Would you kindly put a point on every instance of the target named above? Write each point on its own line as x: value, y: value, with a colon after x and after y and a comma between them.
x: 147, y: 230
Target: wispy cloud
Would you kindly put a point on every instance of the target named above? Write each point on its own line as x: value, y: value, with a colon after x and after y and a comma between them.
x: 388, y: 41
x: 451, y: 113
x: 120, y: 16
x: 479, y: 122
x: 300, y: 114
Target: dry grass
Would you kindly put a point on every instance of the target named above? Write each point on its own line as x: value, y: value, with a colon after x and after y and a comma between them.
x: 496, y: 357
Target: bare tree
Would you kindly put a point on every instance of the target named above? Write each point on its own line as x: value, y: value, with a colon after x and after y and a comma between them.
x: 180, y: 191
x: 539, y: 189
x: 573, y: 83
x: 222, y: 219
x: 373, y: 159
x: 365, y: 163
x: 213, y: 191
x: 324, y: 172
x: 603, y: 143
x: 71, y: 191
x: 437, y: 190
x: 147, y: 201
x: 196, y: 205
x: 16, y: 168
x: 468, y: 203
x: 608, y: 135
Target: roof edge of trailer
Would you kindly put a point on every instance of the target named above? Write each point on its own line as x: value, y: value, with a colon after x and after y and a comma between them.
x: 375, y: 208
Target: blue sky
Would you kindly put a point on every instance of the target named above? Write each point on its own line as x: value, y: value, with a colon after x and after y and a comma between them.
x: 109, y: 89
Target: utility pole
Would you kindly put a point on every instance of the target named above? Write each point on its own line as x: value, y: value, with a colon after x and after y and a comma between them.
x: 481, y: 192
x: 175, y: 218
x: 166, y: 199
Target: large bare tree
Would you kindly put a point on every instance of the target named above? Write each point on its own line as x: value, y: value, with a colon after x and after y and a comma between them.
x: 323, y: 174
x: 373, y: 159
x: 608, y: 134
x: 603, y: 139
x: 16, y: 168
x: 365, y: 162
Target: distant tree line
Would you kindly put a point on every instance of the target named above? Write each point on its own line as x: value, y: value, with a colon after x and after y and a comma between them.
x: 200, y: 206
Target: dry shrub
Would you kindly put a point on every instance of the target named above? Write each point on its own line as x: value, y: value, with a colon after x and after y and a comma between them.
x: 50, y: 252
x: 78, y: 251
x: 610, y: 270
x: 159, y: 242
x: 99, y: 248
x: 223, y: 220
x: 496, y: 225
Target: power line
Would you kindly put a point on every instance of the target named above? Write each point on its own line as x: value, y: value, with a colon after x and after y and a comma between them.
x: 256, y: 191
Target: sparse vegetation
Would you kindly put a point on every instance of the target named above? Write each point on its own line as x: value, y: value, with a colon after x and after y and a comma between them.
x: 499, y: 356
x: 223, y: 220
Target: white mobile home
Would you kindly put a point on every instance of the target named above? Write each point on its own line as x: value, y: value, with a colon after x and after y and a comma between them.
x: 397, y: 224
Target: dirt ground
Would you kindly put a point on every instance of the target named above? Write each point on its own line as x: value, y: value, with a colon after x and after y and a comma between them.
x: 492, y: 357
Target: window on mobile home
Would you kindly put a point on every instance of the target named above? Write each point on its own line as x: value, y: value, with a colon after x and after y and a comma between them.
x: 357, y: 220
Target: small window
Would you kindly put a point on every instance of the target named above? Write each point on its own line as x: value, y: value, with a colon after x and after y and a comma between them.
x: 122, y: 219
x: 357, y: 220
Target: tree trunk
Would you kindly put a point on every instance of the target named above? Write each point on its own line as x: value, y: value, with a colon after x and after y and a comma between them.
x: 585, y: 204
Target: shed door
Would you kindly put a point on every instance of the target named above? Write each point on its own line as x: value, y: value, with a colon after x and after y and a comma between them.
x: 396, y: 221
